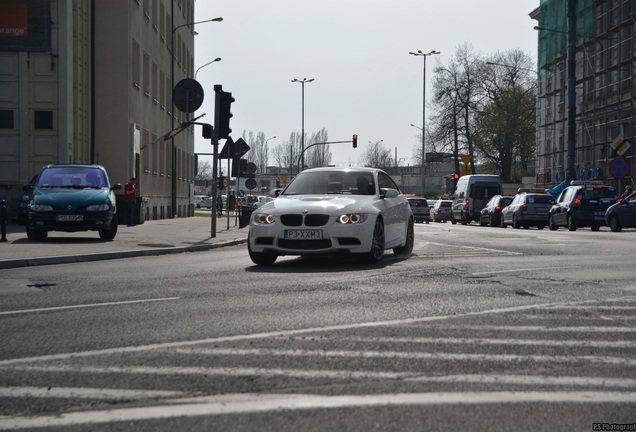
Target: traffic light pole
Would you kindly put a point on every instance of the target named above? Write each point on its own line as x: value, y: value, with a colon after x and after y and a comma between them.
x: 315, y: 144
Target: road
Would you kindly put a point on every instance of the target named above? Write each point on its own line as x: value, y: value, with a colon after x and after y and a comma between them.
x: 479, y: 329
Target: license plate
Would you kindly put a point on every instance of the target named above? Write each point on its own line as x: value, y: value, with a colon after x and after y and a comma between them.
x: 303, y: 234
x: 70, y: 218
x: 599, y: 216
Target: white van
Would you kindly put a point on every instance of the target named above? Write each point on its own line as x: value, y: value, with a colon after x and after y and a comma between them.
x: 471, y: 195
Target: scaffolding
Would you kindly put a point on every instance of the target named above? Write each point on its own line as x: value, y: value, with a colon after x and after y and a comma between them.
x: 605, y: 89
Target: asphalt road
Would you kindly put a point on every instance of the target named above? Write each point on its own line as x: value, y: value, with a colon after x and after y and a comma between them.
x: 479, y: 329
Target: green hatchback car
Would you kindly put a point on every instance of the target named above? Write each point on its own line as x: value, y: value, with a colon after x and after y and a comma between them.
x: 70, y: 198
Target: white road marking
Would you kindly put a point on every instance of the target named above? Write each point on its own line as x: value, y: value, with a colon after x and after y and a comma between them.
x: 261, y: 403
x: 91, y: 305
x: 565, y: 329
x: 85, y: 393
x: 523, y: 269
x: 326, y: 329
x: 369, y: 354
x: 336, y: 374
x: 487, y: 341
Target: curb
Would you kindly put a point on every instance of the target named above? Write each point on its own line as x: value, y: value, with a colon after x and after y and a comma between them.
x: 70, y: 259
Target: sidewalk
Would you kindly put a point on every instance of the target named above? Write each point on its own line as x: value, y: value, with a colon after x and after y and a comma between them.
x: 158, y: 237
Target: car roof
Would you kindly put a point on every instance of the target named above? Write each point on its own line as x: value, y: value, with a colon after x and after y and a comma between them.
x: 348, y: 169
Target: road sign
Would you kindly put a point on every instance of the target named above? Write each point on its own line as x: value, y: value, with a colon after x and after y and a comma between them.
x: 620, y: 145
x: 466, y: 159
x: 187, y: 95
x: 619, y: 167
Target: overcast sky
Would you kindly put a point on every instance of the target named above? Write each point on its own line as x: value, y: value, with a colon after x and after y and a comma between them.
x: 357, y: 52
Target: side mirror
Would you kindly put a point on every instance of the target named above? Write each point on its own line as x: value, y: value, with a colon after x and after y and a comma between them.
x: 389, y: 193
x: 116, y: 186
x: 27, y: 187
x: 275, y: 192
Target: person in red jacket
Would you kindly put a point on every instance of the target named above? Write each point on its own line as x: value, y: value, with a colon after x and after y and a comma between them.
x: 130, y: 191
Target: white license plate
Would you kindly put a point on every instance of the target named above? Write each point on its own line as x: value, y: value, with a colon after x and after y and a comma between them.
x: 70, y: 218
x: 303, y: 234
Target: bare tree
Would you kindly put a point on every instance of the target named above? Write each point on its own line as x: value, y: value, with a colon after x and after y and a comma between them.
x: 204, y: 170
x: 377, y: 156
x: 318, y: 155
x: 258, y: 153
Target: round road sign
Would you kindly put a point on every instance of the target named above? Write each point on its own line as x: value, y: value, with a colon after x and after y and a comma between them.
x: 619, y: 167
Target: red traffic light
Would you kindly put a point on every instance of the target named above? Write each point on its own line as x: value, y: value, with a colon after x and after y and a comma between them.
x: 455, y: 176
x: 355, y: 140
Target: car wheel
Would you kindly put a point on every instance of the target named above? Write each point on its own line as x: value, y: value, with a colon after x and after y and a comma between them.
x: 110, y: 233
x: 452, y: 219
x: 552, y: 225
x: 493, y: 222
x: 377, y: 243
x: 482, y: 222
x: 515, y: 222
x: 595, y: 227
x: 571, y: 223
x: 408, y: 244
x: 502, y: 222
x: 464, y: 220
x: 540, y: 227
x: 261, y: 258
x: 34, y: 234
x: 615, y: 224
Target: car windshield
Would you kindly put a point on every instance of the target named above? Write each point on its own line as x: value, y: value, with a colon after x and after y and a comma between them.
x: 332, y: 182
x: 540, y: 199
x: 598, y: 193
x: 71, y: 177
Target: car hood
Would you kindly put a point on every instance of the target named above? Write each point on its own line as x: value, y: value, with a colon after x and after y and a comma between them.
x: 324, y: 204
x: 70, y: 199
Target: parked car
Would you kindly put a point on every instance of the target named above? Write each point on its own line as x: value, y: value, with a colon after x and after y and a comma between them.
x: 325, y: 211
x: 582, y: 204
x: 491, y: 214
x: 527, y: 209
x: 472, y: 192
x: 70, y: 198
x: 420, y: 209
x: 622, y: 214
x: 441, y: 211
x: 202, y: 201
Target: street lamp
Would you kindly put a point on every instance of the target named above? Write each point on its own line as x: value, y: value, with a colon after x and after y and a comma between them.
x: 173, y: 171
x: 423, y: 55
x: 208, y: 63
x: 302, y: 137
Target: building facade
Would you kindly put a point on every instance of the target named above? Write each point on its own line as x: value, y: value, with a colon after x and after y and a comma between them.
x: 99, y: 92
x: 605, y: 91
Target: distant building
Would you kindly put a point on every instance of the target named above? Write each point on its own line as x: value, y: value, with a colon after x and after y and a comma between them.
x: 90, y: 82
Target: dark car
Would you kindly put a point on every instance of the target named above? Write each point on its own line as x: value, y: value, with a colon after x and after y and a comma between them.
x: 622, y: 214
x: 491, y: 214
x: 420, y: 209
x: 527, y: 209
x: 582, y: 204
x: 70, y: 198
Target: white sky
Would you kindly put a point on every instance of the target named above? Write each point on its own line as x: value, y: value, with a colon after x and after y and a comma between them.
x: 358, y: 53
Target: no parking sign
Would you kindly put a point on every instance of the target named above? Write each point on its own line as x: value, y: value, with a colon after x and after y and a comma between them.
x: 619, y: 167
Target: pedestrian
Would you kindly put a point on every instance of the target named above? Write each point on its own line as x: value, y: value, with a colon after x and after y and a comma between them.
x: 219, y: 205
x: 627, y: 192
x: 130, y: 190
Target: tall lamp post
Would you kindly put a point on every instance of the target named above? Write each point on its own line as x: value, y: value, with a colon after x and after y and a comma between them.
x: 423, y: 55
x: 302, y: 137
x: 173, y: 171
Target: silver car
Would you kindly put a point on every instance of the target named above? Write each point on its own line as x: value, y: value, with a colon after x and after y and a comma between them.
x: 441, y: 211
x: 325, y: 211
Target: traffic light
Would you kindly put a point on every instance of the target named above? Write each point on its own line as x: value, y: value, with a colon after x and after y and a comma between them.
x: 455, y: 178
x: 223, y: 104
x: 220, y: 182
x: 355, y: 140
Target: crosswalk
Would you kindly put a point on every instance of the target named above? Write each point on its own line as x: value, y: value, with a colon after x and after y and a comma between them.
x: 517, y: 355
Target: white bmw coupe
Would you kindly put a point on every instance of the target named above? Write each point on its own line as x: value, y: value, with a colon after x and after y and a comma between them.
x: 326, y: 211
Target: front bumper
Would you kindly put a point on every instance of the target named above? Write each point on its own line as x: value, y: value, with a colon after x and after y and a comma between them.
x: 91, y: 221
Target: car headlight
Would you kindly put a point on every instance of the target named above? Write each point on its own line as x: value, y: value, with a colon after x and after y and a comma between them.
x: 98, y: 207
x: 264, y: 218
x: 26, y: 198
x: 41, y: 208
x: 352, y: 218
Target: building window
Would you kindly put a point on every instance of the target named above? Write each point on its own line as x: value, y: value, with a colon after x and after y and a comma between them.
x: 6, y: 119
x: 43, y: 120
